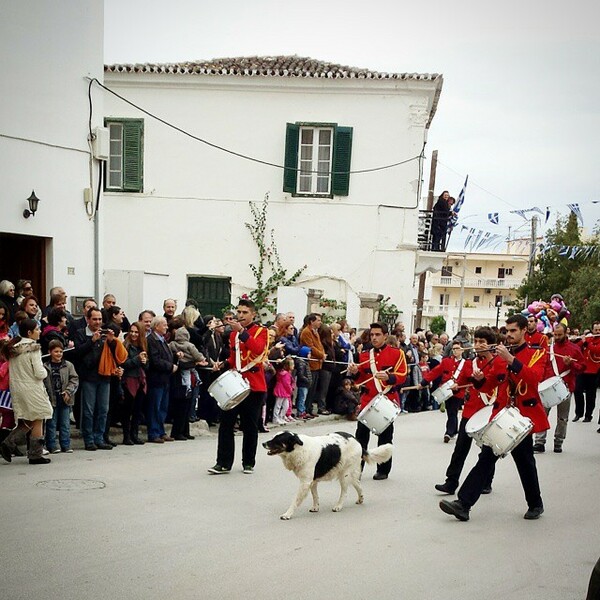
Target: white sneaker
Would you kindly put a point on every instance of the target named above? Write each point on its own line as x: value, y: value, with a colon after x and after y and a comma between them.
x: 55, y: 451
x: 44, y: 452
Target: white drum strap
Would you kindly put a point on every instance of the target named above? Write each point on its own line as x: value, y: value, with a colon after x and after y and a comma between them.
x: 555, y: 366
x: 461, y: 364
x: 374, y: 369
x: 487, y: 400
x: 238, y: 357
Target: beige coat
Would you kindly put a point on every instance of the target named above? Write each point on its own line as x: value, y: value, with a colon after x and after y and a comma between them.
x: 28, y: 394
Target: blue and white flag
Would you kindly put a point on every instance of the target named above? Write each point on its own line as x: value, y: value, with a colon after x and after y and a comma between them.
x: 459, y: 202
x: 494, y: 218
x: 547, y: 214
x: 468, y: 238
x: 574, y: 208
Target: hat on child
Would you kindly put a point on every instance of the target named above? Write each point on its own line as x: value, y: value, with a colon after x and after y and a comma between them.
x: 304, y: 352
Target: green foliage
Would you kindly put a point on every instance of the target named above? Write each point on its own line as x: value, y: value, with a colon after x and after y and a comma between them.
x: 575, y: 279
x: 388, y: 312
x: 438, y: 324
x: 265, y: 292
x: 332, y: 310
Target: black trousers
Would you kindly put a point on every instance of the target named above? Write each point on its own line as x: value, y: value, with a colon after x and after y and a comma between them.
x: 363, y: 434
x: 249, y: 411
x: 480, y: 474
x: 585, y: 394
x: 180, y: 405
x: 461, y: 451
x: 313, y: 392
x: 452, y: 406
x: 131, y: 413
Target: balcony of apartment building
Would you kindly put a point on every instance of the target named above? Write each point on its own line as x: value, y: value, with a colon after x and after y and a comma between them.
x: 448, y: 280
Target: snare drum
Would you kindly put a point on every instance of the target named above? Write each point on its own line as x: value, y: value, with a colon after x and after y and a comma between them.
x: 229, y: 389
x: 506, y: 431
x: 379, y: 414
x: 444, y: 392
x: 553, y: 391
x: 477, y: 424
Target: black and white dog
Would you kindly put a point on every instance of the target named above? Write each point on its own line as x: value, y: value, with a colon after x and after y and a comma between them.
x: 323, y: 458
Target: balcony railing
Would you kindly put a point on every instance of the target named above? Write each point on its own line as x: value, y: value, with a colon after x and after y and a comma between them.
x: 476, y: 282
x: 424, y: 230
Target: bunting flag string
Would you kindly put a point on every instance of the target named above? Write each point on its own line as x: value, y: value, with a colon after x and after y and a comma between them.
x: 571, y: 252
x: 574, y: 208
x: 494, y: 218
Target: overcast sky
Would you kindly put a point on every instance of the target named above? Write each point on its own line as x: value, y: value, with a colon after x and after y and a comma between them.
x: 519, y: 110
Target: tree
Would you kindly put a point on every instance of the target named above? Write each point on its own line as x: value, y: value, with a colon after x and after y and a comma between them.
x: 438, y: 325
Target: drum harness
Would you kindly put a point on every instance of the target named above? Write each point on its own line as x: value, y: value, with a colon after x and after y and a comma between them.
x: 238, y: 357
x: 554, y: 365
x: 373, y: 365
x: 487, y: 400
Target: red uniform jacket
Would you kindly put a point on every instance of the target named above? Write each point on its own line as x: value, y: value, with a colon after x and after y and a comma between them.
x: 590, y: 346
x: 522, y: 377
x: 385, y: 358
x: 446, y: 369
x: 253, y: 344
x: 536, y: 339
x: 491, y: 369
x: 565, y: 348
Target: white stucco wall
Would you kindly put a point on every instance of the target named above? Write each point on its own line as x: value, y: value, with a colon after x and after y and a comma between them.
x: 48, y: 48
x: 190, y: 218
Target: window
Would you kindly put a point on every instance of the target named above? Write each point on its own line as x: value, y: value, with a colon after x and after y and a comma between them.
x: 124, y: 169
x: 317, y: 159
x: 477, y: 270
x: 476, y: 299
x: 444, y: 299
x: 446, y: 271
x: 508, y: 271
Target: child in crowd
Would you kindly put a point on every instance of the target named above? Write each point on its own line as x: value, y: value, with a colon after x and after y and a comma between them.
x: 346, y: 400
x: 284, y: 388
x: 303, y: 381
x: 61, y: 384
x: 189, y: 354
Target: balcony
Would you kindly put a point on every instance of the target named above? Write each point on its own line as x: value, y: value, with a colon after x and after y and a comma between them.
x: 475, y: 282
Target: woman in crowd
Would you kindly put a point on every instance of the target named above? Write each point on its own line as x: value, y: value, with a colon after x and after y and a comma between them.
x: 55, y: 330
x: 285, y: 335
x: 4, y: 329
x: 115, y: 316
x: 8, y: 300
x: 326, y: 370
x: 134, y: 383
x: 28, y: 393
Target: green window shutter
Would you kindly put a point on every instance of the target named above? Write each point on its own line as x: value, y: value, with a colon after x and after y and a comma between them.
x: 342, y: 153
x: 133, y: 159
x: 290, y: 174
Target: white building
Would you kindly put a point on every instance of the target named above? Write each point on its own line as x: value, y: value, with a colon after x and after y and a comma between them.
x: 48, y: 50
x: 175, y: 209
x: 485, y: 282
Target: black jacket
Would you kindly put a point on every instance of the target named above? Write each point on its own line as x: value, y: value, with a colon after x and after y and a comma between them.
x: 160, y: 361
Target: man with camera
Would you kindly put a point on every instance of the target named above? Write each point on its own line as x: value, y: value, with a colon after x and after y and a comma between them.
x: 95, y: 388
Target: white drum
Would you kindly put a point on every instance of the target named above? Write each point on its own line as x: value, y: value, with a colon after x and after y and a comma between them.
x: 506, y: 431
x: 444, y: 392
x: 478, y: 423
x: 229, y: 389
x: 553, y: 391
x: 379, y: 414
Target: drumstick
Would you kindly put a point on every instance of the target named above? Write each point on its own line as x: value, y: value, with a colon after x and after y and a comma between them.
x: 566, y: 356
x: 373, y: 377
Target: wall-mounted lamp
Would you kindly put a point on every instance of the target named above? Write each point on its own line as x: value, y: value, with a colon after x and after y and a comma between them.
x: 33, y: 201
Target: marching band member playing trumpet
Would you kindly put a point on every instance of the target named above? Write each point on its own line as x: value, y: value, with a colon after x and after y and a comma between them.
x: 483, y: 369
x: 566, y: 361
x: 587, y: 382
x: 450, y: 369
x: 379, y: 370
x: 518, y: 386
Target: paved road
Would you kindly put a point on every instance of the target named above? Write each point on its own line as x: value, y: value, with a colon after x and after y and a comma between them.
x: 161, y: 527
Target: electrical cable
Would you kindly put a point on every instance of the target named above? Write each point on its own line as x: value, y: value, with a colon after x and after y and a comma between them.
x: 245, y: 156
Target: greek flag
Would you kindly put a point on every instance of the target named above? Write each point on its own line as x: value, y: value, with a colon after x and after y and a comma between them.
x: 459, y: 202
x: 574, y: 208
x: 494, y: 218
x: 5, y: 401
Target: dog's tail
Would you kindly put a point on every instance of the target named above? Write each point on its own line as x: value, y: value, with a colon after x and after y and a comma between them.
x: 378, y: 455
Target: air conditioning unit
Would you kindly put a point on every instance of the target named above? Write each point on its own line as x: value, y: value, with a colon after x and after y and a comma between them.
x: 488, y: 291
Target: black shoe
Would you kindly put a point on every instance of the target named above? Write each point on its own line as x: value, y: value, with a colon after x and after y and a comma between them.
x: 487, y: 490
x: 323, y: 412
x: 104, y: 446
x: 444, y: 488
x: 219, y: 470
x: 533, y: 513
x: 587, y: 420
x: 539, y: 448
x: 91, y: 447
x: 558, y: 449
x: 455, y: 508
x: 6, y: 453
x: 446, y: 438
x: 39, y: 461
x: 576, y: 419
x: 598, y: 430
x: 180, y: 438
x: 190, y: 437
x: 128, y: 442
x: 379, y: 476
x: 137, y: 441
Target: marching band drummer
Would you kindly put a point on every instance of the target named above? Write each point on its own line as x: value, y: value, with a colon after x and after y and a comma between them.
x: 379, y: 370
x: 450, y: 368
x: 518, y: 385
x: 484, y: 368
x: 564, y: 360
x: 248, y: 342
x: 587, y: 382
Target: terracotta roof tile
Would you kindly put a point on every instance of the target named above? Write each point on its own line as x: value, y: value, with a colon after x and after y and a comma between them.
x: 267, y: 66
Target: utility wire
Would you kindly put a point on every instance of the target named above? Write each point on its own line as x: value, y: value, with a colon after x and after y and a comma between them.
x: 238, y: 154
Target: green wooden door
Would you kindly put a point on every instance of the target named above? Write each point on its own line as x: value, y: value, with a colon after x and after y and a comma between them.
x: 212, y: 294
